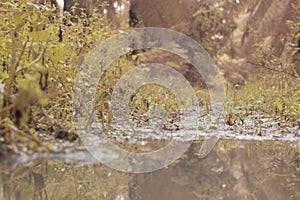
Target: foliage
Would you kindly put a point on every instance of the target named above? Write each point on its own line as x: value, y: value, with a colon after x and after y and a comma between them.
x: 149, y: 96
x: 273, y: 90
x: 209, y: 26
x: 40, y: 54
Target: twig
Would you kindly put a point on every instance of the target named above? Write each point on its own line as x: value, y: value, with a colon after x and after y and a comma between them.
x: 260, y: 65
x: 22, y: 53
x: 38, y: 58
x: 22, y: 133
x: 7, y: 108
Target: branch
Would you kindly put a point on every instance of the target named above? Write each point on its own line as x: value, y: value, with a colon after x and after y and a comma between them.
x: 281, y: 71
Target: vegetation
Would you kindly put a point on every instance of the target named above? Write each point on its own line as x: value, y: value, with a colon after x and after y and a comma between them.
x: 40, y: 54
x: 41, y: 51
x: 273, y: 90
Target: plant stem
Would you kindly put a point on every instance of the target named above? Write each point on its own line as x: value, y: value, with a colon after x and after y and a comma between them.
x: 11, y: 70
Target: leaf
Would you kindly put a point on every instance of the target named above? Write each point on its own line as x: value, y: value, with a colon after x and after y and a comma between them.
x: 134, y: 57
x: 59, y: 54
x: 18, y: 19
x: 41, y: 36
x: 278, y: 143
x: 3, y: 75
x: 29, y: 91
x: 278, y: 104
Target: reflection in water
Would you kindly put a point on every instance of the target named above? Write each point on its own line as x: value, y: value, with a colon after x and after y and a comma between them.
x: 233, y: 170
x: 207, y: 146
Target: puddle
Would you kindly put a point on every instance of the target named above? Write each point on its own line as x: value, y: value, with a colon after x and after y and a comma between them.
x: 247, y: 162
x: 235, y: 169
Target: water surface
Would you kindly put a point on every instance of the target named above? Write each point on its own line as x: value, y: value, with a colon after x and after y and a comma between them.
x: 235, y: 169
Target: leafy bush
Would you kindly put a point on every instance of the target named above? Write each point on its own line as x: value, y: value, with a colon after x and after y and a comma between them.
x: 40, y: 54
